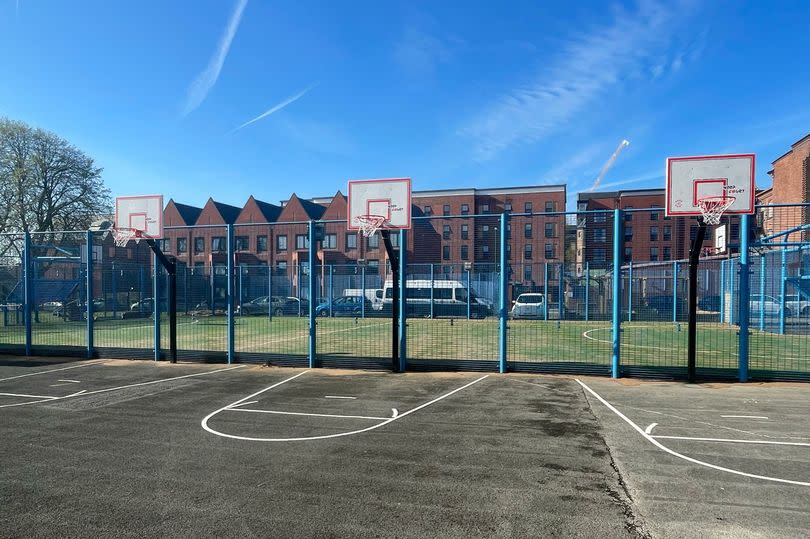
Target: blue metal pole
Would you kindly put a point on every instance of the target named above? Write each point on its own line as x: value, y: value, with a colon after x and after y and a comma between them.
x: 27, y: 296
x: 587, y: 290
x: 363, y: 285
x: 745, y: 296
x: 675, y: 291
x: 89, y: 290
x: 312, y: 294
x: 269, y: 290
x: 782, y: 291
x: 468, y: 294
x: 156, y: 302
x: 331, y: 291
x: 545, y: 290
x: 561, y: 293
x: 502, y: 307
x: 298, y: 288
x: 114, y: 292
x: 722, y: 291
x: 762, y: 295
x: 630, y: 293
x: 229, y: 294
x: 432, y: 285
x: 403, y: 327
x: 618, y: 219
x: 731, y: 270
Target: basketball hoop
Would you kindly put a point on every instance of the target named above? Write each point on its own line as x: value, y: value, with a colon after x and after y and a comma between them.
x: 122, y: 236
x: 369, y: 224
x: 712, y: 208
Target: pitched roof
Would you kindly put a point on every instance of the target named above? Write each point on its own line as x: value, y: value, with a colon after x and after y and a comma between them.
x: 337, y: 207
x: 270, y: 211
x: 229, y: 213
x: 188, y: 213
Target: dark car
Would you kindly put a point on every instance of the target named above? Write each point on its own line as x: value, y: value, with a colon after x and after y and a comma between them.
x: 662, y: 306
x: 255, y: 307
x: 289, y: 306
x: 344, y: 306
x: 709, y: 303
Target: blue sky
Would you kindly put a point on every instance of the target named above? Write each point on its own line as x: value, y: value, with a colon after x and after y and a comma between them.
x: 452, y: 94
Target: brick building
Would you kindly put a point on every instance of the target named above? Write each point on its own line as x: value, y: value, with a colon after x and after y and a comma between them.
x: 791, y: 185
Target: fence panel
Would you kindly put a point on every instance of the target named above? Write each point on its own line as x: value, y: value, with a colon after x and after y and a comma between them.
x: 12, y: 320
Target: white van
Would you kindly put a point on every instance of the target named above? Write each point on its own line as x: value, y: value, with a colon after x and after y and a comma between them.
x: 374, y: 295
x: 449, y: 299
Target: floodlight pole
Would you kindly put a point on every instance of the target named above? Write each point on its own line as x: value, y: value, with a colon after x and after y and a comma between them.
x: 694, y: 260
x: 171, y: 269
x: 394, y: 259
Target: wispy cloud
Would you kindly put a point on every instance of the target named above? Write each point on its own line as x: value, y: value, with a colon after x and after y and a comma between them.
x: 423, y: 46
x: 580, y: 162
x: 632, y: 46
x: 199, y: 89
x: 277, y: 107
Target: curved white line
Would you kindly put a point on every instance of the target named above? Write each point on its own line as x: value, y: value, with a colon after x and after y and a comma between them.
x: 664, y: 448
x: 394, y: 412
x: 650, y: 428
x: 205, y: 420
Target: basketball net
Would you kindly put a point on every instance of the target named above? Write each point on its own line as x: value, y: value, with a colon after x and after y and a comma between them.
x: 712, y: 208
x: 122, y: 236
x: 369, y: 224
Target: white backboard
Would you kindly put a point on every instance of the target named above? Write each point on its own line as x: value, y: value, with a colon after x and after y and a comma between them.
x: 143, y: 213
x: 390, y: 198
x: 691, y: 178
x: 720, y: 239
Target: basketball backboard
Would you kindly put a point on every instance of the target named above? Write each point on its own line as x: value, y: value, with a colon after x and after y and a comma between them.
x: 389, y: 200
x: 142, y: 215
x: 693, y: 179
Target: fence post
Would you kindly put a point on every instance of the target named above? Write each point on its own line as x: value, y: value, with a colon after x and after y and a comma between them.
x: 432, y: 284
x: 675, y: 291
x: 722, y: 291
x: 467, y: 271
x: 561, y: 293
x: 745, y: 276
x: 762, y: 295
x: 298, y: 287
x: 502, y: 307
x: 587, y: 290
x: 156, y: 302
x: 89, y: 290
x: 545, y: 290
x: 229, y: 293
x: 363, y: 288
x: 783, y: 290
x: 312, y: 297
x: 618, y: 219
x: 403, y: 264
x: 114, y: 284
x: 269, y: 290
x: 331, y: 290
x: 731, y: 264
x: 630, y: 293
x: 27, y: 299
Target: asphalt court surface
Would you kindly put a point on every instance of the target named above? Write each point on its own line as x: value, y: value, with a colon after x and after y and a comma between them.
x: 134, y: 448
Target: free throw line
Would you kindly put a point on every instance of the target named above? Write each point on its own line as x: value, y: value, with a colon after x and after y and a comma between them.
x: 52, y: 370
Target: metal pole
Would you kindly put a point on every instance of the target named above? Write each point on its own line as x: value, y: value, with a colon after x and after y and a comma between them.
x: 89, y: 290
x: 432, y: 285
x: 675, y: 291
x: 722, y: 291
x: 630, y: 293
x: 363, y: 288
x: 156, y: 302
x: 114, y: 292
x: 298, y: 288
x: 403, y: 250
x: 587, y: 290
x: 398, y: 300
x: 502, y: 307
x: 561, y: 293
x: 745, y: 276
x: 331, y: 291
x: 762, y: 295
x: 312, y: 295
x: 783, y: 291
x: 269, y: 290
x: 694, y: 260
x: 468, y: 292
x: 185, y: 289
x: 731, y: 267
x: 545, y: 290
x: 27, y: 295
x: 229, y: 293
x: 618, y: 219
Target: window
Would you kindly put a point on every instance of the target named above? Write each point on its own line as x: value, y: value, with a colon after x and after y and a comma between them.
x: 599, y: 235
x: 281, y: 266
x: 509, y: 250
x: 628, y: 216
x: 485, y: 251
x: 667, y: 253
x: 550, y: 206
x: 301, y: 241
x: 653, y: 254
x: 654, y: 215
x: 199, y: 245
x: 281, y: 243
x: 428, y: 210
x: 734, y: 232
x: 527, y: 231
x: 261, y: 244
x: 374, y: 264
x: 484, y: 208
x: 198, y: 269
x: 600, y: 217
x: 653, y: 233
x: 599, y: 254
x: 446, y: 232
x: 550, y: 251
x: 465, y: 252
x: 527, y: 272
x: 394, y: 238
x: 465, y: 232
x: 351, y: 240
x: 527, y: 251
x: 182, y: 246
x: 667, y: 232
x: 445, y: 269
x: 527, y: 207
x: 446, y: 209
x: 329, y: 241
x: 507, y: 207
x: 220, y: 269
x: 373, y: 241
x: 217, y: 244
x: 242, y: 243
x: 628, y: 233
x: 551, y: 230
x: 628, y: 254
x: 509, y: 231
x: 465, y: 209
x: 485, y: 230
x: 446, y: 252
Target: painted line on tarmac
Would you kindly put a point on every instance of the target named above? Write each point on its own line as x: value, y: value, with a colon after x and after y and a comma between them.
x: 71, y: 381
x: 745, y: 416
x: 89, y: 364
x: 279, y: 412
x: 28, y: 396
x: 204, y: 422
x: 306, y: 335
x: 650, y: 428
x: 731, y: 440
x: 338, y: 397
x: 664, y: 448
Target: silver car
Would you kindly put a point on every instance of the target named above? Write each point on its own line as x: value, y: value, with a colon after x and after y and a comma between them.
x: 530, y: 305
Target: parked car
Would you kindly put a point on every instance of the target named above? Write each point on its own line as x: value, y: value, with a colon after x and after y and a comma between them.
x: 255, y: 307
x: 796, y: 305
x: 289, y: 306
x: 662, y: 305
x: 344, y: 306
x: 768, y: 305
x: 531, y: 305
x: 709, y: 303
x: 50, y: 306
x: 146, y: 305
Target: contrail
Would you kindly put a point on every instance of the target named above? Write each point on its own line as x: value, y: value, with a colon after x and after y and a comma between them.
x: 278, y: 107
x: 622, y: 145
x: 199, y: 89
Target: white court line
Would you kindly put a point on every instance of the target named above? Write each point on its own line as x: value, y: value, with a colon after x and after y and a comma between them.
x: 745, y: 416
x: 71, y: 381
x: 650, y: 428
x: 305, y: 414
x: 337, y: 397
x: 664, y: 448
x: 731, y: 440
x: 204, y: 422
x: 279, y: 340
x: 29, y: 396
x: 84, y: 392
x: 52, y: 370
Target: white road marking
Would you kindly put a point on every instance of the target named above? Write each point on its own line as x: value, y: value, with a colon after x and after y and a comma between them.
x: 71, y: 381
x: 204, y: 422
x: 650, y: 428
x: 745, y: 416
x: 304, y: 414
x: 245, y: 403
x: 664, y: 448
x: 394, y: 412
x: 306, y: 335
x: 28, y: 396
x: 52, y: 370
x: 731, y: 440
x: 337, y: 397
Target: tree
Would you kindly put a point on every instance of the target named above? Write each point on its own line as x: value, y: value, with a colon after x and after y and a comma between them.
x: 46, y: 183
